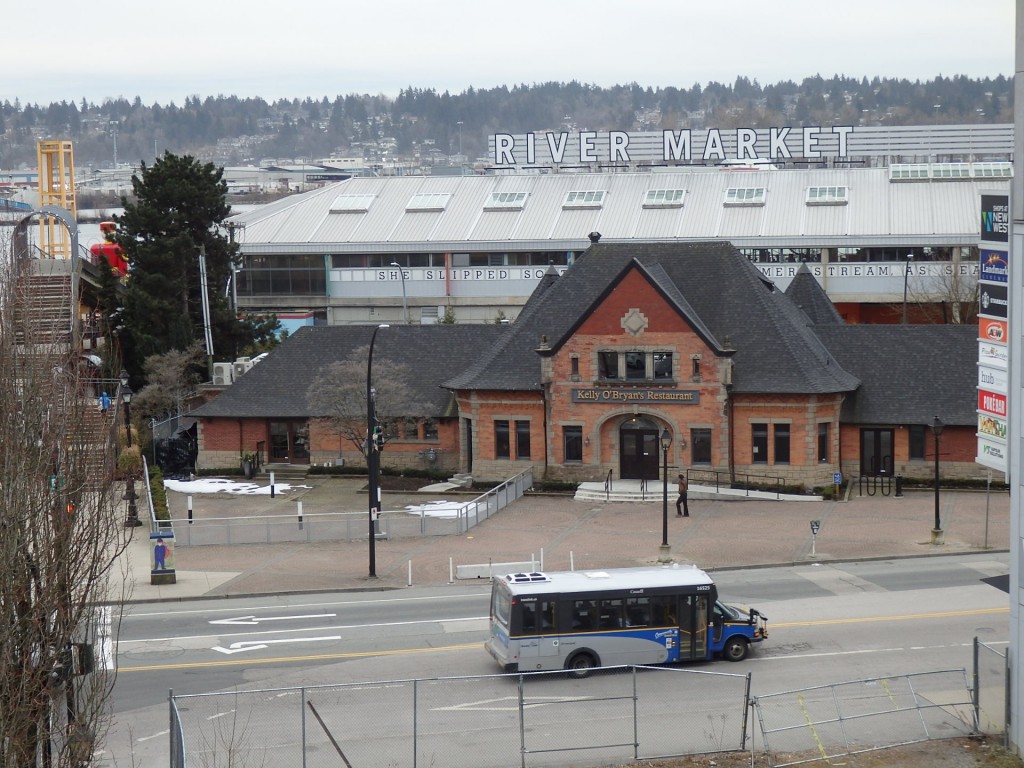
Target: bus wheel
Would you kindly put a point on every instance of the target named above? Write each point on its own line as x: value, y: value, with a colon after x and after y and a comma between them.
x: 580, y: 665
x: 735, y: 648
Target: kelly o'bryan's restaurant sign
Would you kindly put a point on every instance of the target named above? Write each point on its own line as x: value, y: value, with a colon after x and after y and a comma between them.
x: 629, y: 395
x: 684, y: 145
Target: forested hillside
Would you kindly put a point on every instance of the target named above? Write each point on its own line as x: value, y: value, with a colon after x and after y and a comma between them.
x: 429, y: 126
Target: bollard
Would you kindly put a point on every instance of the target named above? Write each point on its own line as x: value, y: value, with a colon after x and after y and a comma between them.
x: 300, y: 514
x: 899, y: 486
x: 271, y: 485
x: 189, y: 510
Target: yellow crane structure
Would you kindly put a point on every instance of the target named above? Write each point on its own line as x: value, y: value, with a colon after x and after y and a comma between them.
x: 56, y: 188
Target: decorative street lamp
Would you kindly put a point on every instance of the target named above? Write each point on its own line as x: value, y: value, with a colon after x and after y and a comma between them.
x: 937, y: 426
x: 372, y: 455
x: 665, y: 555
x: 132, y: 520
x: 906, y: 273
x: 405, y: 302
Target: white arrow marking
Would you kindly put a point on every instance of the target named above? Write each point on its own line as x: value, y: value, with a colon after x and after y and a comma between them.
x: 242, y: 620
x: 255, y: 645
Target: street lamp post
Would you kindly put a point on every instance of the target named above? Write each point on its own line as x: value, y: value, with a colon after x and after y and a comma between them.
x: 372, y: 455
x: 937, y: 426
x: 405, y: 302
x: 906, y: 273
x: 665, y: 555
x: 129, y: 492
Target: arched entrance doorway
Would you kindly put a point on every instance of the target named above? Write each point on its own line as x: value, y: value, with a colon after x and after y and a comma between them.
x: 639, y: 450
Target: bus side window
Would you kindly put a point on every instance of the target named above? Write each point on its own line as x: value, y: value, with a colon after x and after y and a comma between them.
x: 663, y: 611
x: 547, y: 615
x: 584, y: 615
x: 611, y: 614
x: 528, y: 614
x: 638, y: 612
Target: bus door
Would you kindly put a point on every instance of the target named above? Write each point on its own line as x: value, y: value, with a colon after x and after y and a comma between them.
x: 693, y: 627
x: 538, y: 638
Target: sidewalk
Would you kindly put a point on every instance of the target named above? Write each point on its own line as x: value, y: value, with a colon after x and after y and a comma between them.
x: 561, y: 533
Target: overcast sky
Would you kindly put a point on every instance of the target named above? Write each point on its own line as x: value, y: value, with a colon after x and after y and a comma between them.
x: 163, y: 52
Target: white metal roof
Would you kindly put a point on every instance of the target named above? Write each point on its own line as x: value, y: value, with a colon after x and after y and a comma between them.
x: 597, y: 580
x: 878, y: 211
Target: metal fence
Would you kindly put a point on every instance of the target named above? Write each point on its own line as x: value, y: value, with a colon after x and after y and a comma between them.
x: 495, y: 721
x: 840, y: 719
x: 310, y: 524
x: 991, y: 689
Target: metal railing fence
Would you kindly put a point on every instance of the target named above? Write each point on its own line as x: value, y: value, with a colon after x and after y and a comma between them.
x: 310, y: 524
x: 494, y: 721
x: 991, y: 689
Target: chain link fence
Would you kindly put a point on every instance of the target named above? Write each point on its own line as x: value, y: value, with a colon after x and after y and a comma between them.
x: 495, y: 721
x: 840, y: 719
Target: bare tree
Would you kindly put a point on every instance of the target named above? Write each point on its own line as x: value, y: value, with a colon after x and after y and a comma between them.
x: 61, y: 525
x: 172, y: 378
x: 338, y: 396
x: 949, y: 296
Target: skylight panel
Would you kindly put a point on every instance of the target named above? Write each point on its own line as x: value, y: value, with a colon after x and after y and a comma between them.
x: 745, y: 196
x: 506, y: 201
x: 828, y: 195
x: 664, y: 198
x: 951, y: 170
x: 428, y: 201
x: 992, y: 170
x: 352, y: 203
x: 909, y: 171
x: 593, y: 198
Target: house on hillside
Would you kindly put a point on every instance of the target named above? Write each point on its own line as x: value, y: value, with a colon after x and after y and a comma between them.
x: 633, y: 341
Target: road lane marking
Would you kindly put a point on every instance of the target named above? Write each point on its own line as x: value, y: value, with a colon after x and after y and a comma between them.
x: 898, y: 617
x: 251, y: 620
x: 259, y: 645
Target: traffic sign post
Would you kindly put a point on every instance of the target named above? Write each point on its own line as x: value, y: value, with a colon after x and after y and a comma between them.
x: 837, y: 481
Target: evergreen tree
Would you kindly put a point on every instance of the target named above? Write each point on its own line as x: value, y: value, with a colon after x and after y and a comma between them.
x: 175, y: 214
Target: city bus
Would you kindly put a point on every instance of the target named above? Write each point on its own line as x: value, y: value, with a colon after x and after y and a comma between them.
x: 578, y: 620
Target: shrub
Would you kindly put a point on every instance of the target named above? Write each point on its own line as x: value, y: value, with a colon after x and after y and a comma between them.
x: 159, y: 494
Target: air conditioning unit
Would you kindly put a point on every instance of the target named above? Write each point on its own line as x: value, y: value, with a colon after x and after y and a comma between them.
x: 242, y: 366
x: 223, y: 374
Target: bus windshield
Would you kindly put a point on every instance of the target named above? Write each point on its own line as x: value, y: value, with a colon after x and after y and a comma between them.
x: 577, y: 620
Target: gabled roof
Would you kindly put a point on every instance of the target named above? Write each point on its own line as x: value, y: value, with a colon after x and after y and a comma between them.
x: 729, y: 298
x: 808, y: 294
x: 277, y: 386
x: 909, y: 373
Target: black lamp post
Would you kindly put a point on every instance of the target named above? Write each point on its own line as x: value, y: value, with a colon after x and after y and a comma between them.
x: 372, y: 455
x: 665, y: 555
x: 129, y: 492
x: 937, y: 426
x: 906, y: 273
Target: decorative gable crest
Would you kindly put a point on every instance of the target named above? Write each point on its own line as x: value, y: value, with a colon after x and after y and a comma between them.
x: 634, y: 322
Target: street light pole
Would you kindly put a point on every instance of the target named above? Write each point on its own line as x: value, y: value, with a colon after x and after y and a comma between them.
x: 906, y: 273
x: 129, y: 492
x: 665, y: 555
x: 405, y: 303
x: 372, y: 455
x: 937, y: 426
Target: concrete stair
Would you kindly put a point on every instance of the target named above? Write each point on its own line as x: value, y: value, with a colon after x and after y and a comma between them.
x: 291, y: 474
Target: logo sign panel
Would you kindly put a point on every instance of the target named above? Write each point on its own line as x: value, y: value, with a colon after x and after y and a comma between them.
x: 993, y: 355
x: 992, y: 402
x: 994, y: 302
x: 992, y: 427
x: 992, y: 379
x: 995, y: 218
x: 624, y: 395
x: 995, y: 266
x: 990, y: 329
x: 991, y: 454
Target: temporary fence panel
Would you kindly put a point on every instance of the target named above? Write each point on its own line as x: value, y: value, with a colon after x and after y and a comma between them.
x: 829, y: 721
x: 991, y: 688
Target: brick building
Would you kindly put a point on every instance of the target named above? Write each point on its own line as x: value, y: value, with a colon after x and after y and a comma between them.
x: 631, y: 341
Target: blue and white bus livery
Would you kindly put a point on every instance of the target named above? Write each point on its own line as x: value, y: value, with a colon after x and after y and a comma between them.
x: 577, y: 620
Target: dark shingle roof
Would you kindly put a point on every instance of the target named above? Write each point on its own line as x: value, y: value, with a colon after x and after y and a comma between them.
x: 730, y: 301
x: 909, y: 373
x: 808, y: 294
x: 277, y: 386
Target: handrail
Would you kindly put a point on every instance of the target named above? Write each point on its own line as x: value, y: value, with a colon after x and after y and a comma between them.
x: 738, y: 480
x: 608, y: 486
x: 643, y: 489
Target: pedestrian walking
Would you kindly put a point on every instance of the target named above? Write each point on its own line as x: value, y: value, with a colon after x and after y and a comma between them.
x: 682, y: 510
